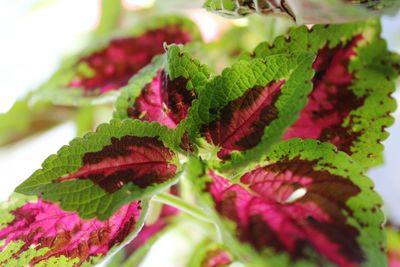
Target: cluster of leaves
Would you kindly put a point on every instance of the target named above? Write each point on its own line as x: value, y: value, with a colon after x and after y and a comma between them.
x: 274, y: 151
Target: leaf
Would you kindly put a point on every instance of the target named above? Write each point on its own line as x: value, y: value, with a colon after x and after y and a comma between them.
x: 305, y: 11
x: 355, y: 76
x: 142, y: 80
x: 305, y: 205
x: 245, y: 110
x: 95, y: 175
x: 237, y: 9
x: 163, y: 91
x: 110, y: 64
x: 38, y: 233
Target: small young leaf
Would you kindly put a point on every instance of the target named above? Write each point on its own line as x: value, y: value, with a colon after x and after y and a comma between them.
x: 307, y: 203
x: 246, y: 109
x: 355, y: 75
x: 38, y: 233
x: 163, y: 91
x: 122, y: 161
x: 145, y: 80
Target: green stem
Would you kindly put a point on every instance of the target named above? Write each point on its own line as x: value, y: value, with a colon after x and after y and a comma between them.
x: 189, y: 209
x: 182, y: 205
x: 223, y: 236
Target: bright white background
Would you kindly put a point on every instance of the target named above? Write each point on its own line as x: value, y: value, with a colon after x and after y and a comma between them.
x: 35, y: 34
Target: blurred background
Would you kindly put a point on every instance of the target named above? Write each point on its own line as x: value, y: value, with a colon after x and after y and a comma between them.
x: 36, y: 34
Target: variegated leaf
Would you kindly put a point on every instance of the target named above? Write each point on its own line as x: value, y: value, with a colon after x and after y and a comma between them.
x: 95, y: 175
x: 355, y: 75
x: 305, y: 205
x: 242, y: 112
x: 35, y: 232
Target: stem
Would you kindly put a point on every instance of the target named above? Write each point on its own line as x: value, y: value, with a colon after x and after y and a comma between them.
x: 189, y: 209
x: 182, y: 205
x: 222, y: 236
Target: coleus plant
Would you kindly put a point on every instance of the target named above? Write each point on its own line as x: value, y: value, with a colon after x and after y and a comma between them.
x: 269, y: 157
